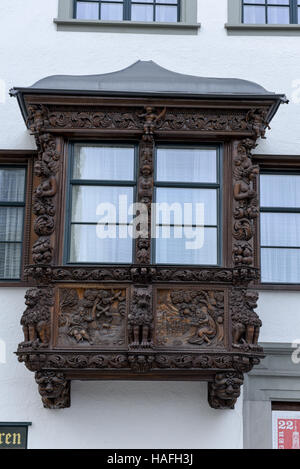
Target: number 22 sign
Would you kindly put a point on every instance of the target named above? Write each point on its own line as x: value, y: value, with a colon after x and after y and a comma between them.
x: 286, y: 430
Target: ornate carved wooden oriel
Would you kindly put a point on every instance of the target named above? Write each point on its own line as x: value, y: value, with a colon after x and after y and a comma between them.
x: 143, y: 321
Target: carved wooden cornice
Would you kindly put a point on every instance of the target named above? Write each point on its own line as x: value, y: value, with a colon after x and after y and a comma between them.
x: 143, y: 320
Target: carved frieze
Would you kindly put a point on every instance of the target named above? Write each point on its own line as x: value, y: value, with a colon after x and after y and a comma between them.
x: 148, y: 119
x: 91, y: 317
x: 141, y: 274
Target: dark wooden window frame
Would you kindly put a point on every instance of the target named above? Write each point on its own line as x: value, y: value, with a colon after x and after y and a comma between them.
x: 286, y: 406
x: 71, y: 182
x: 21, y: 158
x: 293, y: 7
x: 279, y: 164
x: 127, y: 7
x: 218, y: 186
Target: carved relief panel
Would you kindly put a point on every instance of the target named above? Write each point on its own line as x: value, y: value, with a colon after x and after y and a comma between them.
x: 91, y: 317
x: 191, y: 318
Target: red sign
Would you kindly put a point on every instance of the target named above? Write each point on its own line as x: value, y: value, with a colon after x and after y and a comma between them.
x: 286, y: 434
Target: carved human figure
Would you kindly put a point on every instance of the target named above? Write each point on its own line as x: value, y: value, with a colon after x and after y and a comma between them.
x: 206, y: 329
x: 151, y: 118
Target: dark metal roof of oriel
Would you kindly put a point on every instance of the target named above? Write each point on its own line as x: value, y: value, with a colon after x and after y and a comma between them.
x: 147, y: 77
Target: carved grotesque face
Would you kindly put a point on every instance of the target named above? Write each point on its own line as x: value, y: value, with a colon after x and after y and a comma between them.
x: 229, y: 387
x: 51, y: 385
x: 38, y: 169
x: 143, y: 300
x: 31, y: 297
x: 251, y: 299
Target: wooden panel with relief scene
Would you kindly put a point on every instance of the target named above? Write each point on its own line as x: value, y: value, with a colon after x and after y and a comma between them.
x: 91, y: 317
x: 190, y: 318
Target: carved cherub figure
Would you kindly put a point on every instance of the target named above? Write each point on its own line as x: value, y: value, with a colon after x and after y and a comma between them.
x: 151, y: 119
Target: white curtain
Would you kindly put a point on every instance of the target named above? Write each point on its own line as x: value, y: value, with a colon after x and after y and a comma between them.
x: 187, y: 165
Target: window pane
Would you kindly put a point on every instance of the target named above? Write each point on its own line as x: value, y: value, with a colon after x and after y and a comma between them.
x: 254, y: 14
x: 10, y: 261
x: 170, y: 196
x: 278, y: 15
x: 12, y: 184
x: 187, y: 165
x: 142, y: 13
x: 87, y: 247
x: 166, y: 13
x: 87, y: 10
x: 11, y: 223
x: 86, y: 200
x: 280, y: 229
x: 111, y: 11
x: 177, y: 251
x: 280, y: 190
x: 280, y: 265
x: 95, y: 162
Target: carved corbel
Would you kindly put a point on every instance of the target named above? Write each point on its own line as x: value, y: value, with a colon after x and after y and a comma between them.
x: 54, y: 389
x: 224, y: 391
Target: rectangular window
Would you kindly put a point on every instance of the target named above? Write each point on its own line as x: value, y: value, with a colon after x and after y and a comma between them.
x: 185, y: 213
x: 187, y: 194
x: 271, y: 11
x: 280, y: 227
x: 131, y: 10
x: 103, y: 177
x: 12, y: 207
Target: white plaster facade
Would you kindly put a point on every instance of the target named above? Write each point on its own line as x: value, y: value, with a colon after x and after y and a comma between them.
x: 114, y: 413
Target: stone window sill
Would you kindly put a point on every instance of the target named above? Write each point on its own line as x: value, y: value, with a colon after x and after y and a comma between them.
x: 126, y: 26
x: 263, y: 29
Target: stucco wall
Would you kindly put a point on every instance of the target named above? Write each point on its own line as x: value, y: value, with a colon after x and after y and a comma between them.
x: 134, y: 414
x: 279, y: 312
